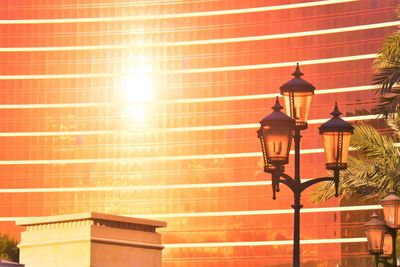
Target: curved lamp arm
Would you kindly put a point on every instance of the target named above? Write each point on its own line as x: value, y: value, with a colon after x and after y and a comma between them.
x: 334, y: 179
x: 298, y: 187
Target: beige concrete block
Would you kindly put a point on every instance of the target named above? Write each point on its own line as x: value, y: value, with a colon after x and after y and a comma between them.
x: 90, y: 240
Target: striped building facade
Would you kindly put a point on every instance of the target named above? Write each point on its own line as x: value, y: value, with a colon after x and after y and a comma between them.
x: 150, y: 109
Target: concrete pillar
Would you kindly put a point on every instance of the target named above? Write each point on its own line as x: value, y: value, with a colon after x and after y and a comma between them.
x: 90, y: 240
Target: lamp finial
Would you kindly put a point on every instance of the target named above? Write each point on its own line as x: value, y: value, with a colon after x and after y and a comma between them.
x: 297, y: 73
x: 277, y: 106
x: 336, y: 112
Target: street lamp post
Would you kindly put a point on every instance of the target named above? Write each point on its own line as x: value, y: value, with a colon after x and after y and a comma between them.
x: 276, y: 133
x: 381, y: 236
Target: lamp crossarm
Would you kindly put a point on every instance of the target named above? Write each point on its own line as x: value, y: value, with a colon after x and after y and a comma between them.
x: 288, y: 181
x: 299, y: 187
x: 311, y: 182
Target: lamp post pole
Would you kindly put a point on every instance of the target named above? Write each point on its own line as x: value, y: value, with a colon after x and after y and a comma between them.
x: 297, y: 195
x: 276, y: 133
x: 297, y: 188
x: 393, y: 233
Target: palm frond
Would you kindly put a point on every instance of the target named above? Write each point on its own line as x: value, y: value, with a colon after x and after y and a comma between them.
x: 355, y: 185
x: 398, y: 11
x: 323, y: 191
x: 367, y: 140
x: 351, y: 187
x: 387, y: 75
x: 388, y: 104
x: 386, y: 78
x: 394, y: 122
x: 389, y: 54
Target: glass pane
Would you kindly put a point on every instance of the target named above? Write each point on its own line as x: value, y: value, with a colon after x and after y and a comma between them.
x: 302, y: 102
x: 387, y: 246
x: 345, y: 146
x: 389, y: 213
x: 330, y: 146
x: 277, y: 142
x: 397, y: 215
x: 375, y: 239
x: 330, y: 140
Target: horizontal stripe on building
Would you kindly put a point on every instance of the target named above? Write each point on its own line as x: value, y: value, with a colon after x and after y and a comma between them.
x: 156, y: 158
x: 267, y: 243
x: 169, y: 130
x: 191, y: 71
x: 176, y: 16
x: 180, y: 101
x: 204, y: 42
x: 136, y: 187
x: 235, y: 213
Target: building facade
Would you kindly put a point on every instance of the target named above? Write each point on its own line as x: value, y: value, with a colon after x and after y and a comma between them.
x: 150, y: 109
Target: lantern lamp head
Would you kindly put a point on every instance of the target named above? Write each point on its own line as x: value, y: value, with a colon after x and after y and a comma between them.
x: 387, y: 247
x: 375, y: 232
x: 391, y: 210
x: 275, y: 134
x: 298, y: 95
x: 336, y: 134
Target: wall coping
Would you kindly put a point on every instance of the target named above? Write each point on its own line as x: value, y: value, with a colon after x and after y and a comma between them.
x: 95, y: 216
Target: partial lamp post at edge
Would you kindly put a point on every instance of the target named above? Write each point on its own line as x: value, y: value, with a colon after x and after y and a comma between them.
x: 381, y: 236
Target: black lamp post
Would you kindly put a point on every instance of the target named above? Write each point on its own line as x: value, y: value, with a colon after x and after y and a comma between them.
x: 381, y: 236
x: 276, y: 132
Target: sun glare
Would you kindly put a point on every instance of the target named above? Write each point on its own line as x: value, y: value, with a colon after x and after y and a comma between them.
x: 137, y: 112
x: 137, y: 88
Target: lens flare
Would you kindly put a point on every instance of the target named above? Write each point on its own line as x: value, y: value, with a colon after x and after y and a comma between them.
x: 137, y: 90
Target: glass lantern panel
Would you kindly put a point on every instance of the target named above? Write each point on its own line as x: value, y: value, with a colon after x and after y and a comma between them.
x: 345, y: 146
x: 387, y: 246
x: 375, y: 239
x: 302, y: 102
x: 389, y: 213
x: 397, y: 225
x: 262, y: 142
x: 277, y: 141
x: 330, y: 146
x: 330, y: 140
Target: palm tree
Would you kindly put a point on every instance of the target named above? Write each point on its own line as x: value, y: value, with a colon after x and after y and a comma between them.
x: 387, y: 74
x: 8, y: 248
x: 373, y: 167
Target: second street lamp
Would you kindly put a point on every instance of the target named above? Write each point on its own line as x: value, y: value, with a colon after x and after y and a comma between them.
x: 381, y: 241
x: 276, y: 133
x: 381, y: 236
x: 375, y: 232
